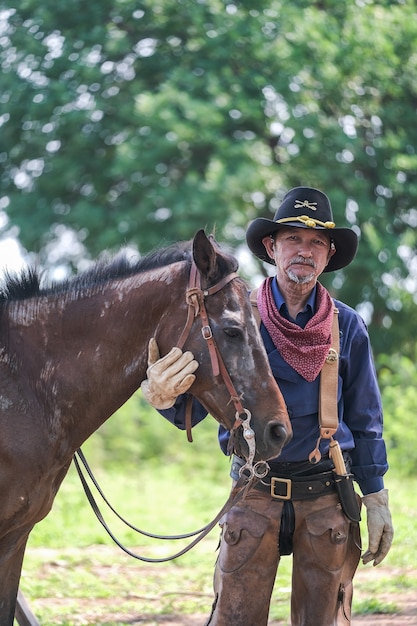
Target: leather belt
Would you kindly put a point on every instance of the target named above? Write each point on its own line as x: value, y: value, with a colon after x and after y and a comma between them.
x: 298, y: 488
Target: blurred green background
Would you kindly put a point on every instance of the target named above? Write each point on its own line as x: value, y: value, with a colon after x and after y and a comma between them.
x: 138, y: 123
x: 134, y: 124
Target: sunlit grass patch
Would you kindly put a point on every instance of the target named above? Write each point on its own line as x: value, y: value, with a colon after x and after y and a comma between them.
x: 373, y: 606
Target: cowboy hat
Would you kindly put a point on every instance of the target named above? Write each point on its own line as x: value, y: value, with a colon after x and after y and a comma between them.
x: 304, y: 207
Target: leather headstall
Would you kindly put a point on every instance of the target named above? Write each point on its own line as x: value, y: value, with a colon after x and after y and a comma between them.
x: 195, y: 297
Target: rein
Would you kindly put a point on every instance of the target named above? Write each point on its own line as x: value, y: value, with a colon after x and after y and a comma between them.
x: 249, y: 473
x: 237, y: 493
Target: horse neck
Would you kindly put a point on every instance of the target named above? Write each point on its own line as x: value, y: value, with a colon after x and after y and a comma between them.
x: 83, y: 355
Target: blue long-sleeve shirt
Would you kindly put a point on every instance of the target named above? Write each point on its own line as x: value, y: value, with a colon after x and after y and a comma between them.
x: 359, y: 400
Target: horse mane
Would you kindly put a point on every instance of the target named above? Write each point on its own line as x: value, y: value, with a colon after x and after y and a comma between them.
x: 27, y: 283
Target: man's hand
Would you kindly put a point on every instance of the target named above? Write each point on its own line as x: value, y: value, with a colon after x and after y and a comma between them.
x: 168, y: 377
x: 380, y: 529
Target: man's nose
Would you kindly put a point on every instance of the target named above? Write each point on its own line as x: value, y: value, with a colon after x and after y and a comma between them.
x: 305, y: 250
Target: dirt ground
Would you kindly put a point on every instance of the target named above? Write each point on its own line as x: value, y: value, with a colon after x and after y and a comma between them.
x: 86, y: 613
x: 147, y: 605
x: 406, y: 617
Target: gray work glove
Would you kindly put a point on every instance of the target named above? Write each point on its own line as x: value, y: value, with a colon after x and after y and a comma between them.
x: 380, y: 529
x: 168, y: 377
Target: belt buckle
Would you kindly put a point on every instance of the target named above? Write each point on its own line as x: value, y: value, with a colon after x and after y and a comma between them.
x: 287, y: 482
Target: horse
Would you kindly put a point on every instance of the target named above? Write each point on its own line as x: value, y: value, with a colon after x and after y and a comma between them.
x: 72, y: 352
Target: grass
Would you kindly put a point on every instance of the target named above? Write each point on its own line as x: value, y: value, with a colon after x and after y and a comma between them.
x: 73, y: 574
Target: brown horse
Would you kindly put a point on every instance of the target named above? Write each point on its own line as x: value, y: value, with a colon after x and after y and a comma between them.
x: 73, y: 353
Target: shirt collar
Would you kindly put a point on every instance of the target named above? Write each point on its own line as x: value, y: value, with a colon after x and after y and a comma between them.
x: 279, y: 298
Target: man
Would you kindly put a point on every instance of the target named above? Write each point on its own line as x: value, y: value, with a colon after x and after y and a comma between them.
x: 306, y: 517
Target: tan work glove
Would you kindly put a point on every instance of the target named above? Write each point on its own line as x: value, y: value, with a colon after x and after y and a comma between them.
x: 380, y: 529
x: 168, y: 377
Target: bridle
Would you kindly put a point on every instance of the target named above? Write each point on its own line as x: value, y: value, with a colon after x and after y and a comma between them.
x: 195, y: 298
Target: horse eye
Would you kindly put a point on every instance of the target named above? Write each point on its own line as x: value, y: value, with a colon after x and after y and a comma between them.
x: 232, y: 332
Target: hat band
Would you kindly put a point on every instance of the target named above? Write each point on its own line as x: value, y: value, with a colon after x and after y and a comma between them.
x: 307, y: 221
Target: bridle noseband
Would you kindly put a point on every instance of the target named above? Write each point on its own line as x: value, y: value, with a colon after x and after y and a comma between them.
x: 195, y: 298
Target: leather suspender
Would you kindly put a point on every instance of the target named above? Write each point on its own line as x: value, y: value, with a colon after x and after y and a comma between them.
x: 328, y: 416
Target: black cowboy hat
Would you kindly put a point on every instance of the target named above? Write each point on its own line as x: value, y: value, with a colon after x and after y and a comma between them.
x: 304, y: 207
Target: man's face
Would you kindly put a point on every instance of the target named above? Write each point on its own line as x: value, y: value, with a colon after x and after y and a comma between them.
x: 300, y: 254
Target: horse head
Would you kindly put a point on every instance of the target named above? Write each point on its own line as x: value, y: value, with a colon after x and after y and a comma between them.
x: 234, y: 379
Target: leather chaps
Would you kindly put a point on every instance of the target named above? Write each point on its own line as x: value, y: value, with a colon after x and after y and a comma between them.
x: 326, y: 552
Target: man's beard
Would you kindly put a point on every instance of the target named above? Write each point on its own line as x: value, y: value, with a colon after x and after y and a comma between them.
x: 301, y: 280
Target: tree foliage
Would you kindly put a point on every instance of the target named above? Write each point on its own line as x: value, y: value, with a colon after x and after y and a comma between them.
x: 140, y: 123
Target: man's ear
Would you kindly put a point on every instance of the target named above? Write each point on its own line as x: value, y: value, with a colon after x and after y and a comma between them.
x: 269, y: 246
x: 332, y: 251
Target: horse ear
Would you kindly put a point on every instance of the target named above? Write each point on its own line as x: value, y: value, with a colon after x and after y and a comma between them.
x: 205, y: 256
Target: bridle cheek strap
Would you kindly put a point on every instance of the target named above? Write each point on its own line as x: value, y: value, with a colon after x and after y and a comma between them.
x: 195, y: 297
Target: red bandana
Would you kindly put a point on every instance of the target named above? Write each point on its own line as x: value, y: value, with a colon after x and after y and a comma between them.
x: 305, y: 349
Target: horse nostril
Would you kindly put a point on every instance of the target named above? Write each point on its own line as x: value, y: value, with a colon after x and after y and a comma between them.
x: 278, y: 434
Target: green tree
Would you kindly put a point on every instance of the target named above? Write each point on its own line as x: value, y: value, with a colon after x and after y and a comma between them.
x: 141, y: 122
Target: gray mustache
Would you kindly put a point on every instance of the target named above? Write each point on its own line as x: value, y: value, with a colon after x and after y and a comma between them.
x: 303, y: 261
